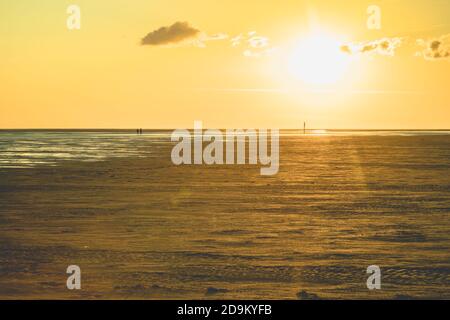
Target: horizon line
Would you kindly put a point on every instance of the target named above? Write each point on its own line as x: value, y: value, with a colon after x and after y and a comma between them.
x: 206, y: 128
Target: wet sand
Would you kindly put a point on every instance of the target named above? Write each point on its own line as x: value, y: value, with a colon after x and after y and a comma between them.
x: 143, y: 228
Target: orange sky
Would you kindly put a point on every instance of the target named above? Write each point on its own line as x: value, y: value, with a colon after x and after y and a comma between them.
x: 281, y: 71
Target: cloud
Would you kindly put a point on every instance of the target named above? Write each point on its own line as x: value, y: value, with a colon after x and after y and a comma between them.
x: 435, y: 49
x: 179, y: 33
x: 384, y: 46
x: 203, y: 37
x: 255, y: 45
x: 432, y: 49
x: 176, y: 33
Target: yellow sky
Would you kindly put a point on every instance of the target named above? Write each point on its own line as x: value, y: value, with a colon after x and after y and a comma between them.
x: 102, y: 77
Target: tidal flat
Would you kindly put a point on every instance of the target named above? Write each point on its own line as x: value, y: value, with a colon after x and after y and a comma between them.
x: 140, y: 227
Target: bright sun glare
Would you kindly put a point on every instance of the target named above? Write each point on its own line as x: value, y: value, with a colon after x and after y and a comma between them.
x: 317, y: 59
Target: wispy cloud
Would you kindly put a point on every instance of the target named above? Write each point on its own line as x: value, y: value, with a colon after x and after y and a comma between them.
x: 313, y: 91
x: 244, y: 90
x: 384, y: 46
x: 254, y: 45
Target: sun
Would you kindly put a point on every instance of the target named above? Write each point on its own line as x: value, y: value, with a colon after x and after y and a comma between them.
x: 318, y: 59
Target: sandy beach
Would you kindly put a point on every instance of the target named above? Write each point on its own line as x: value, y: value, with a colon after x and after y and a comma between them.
x: 140, y: 227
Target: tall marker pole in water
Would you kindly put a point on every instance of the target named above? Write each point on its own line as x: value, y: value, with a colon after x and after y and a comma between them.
x: 304, y: 127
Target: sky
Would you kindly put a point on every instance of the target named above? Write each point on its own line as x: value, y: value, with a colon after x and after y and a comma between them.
x: 229, y: 64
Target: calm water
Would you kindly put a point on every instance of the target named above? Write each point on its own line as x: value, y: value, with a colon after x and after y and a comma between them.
x: 22, y: 149
x: 140, y: 227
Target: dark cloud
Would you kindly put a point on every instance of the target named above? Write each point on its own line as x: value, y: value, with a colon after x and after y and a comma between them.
x: 435, y: 45
x: 176, y: 33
